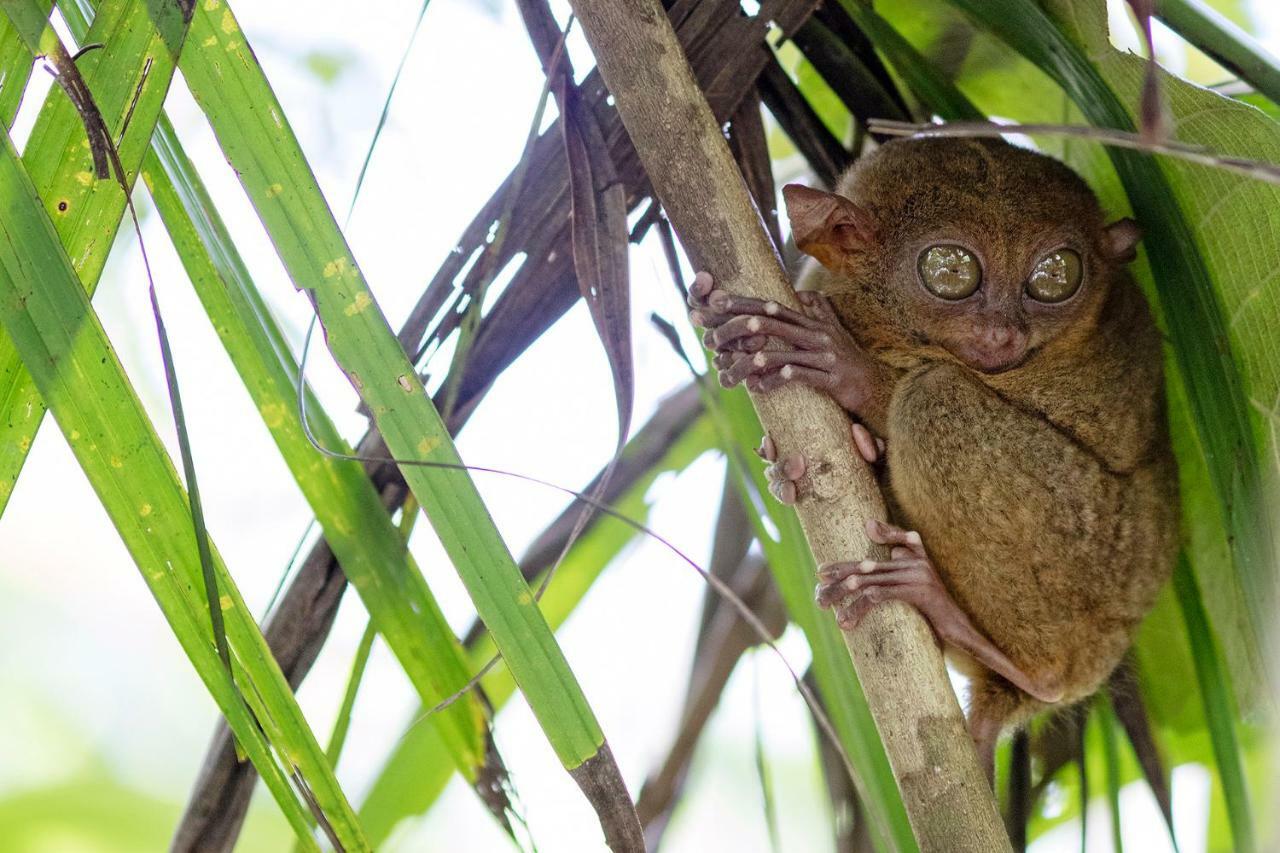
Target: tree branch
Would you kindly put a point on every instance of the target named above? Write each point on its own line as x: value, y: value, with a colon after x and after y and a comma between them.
x: 947, y: 798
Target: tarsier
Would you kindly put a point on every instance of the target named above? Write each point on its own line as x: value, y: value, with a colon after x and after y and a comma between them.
x: 971, y: 309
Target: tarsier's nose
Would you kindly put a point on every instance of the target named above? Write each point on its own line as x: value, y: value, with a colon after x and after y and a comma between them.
x: 996, y: 345
x: 999, y: 337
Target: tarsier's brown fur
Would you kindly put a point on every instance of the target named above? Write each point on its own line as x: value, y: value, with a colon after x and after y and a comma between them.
x: 1046, y: 494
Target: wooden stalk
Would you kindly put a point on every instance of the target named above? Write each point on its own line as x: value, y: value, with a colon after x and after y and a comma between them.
x: 947, y: 798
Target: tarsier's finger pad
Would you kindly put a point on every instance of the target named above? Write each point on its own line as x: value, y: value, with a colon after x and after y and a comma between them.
x: 793, y: 467
x: 783, y: 490
x: 702, y: 284
x: 767, y: 450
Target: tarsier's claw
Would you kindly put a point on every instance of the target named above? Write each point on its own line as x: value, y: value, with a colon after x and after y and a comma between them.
x: 888, y: 534
x: 869, y: 447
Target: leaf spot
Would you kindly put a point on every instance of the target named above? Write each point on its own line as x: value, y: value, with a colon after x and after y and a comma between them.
x: 358, y: 305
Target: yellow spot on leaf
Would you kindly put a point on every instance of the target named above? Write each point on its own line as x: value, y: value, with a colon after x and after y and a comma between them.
x: 358, y: 305
x: 85, y: 179
x: 209, y: 42
x: 144, y: 510
x: 232, y: 45
x: 225, y: 602
x: 75, y: 434
x: 274, y: 190
x: 335, y: 267
x: 228, y: 24
x: 210, y: 5
x: 25, y: 444
x: 116, y: 462
x: 428, y: 444
x: 525, y: 597
x: 273, y: 414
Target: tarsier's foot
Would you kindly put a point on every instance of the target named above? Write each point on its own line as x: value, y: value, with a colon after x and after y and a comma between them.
x: 853, y: 588
x: 817, y: 350
x: 784, y: 474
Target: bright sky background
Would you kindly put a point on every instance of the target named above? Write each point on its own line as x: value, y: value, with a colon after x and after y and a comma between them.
x: 93, y: 681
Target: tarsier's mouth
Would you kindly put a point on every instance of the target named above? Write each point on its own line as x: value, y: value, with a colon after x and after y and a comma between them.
x: 992, y: 362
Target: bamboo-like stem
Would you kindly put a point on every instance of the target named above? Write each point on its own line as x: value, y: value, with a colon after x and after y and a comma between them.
x: 947, y: 798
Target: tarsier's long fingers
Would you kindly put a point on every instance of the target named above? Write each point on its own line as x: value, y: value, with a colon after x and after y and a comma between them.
x: 711, y: 308
x: 738, y: 366
x: 909, y: 576
x: 749, y: 325
x: 869, y: 447
x: 782, y: 474
x: 815, y: 378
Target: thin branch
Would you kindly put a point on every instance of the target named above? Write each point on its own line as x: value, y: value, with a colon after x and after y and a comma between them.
x: 1256, y: 169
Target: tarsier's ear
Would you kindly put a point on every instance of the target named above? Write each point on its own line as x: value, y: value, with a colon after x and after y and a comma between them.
x: 1120, y: 240
x: 826, y: 225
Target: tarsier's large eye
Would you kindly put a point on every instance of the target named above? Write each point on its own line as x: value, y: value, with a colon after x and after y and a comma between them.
x: 948, y: 271
x: 1056, y: 277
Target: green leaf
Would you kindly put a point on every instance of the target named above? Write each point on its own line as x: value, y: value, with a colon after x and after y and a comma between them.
x: 414, y: 775
x: 15, y: 69
x: 1218, y: 707
x: 50, y: 321
x: 791, y: 563
x: 1230, y: 46
x: 1193, y: 278
x: 1105, y: 727
x: 347, y: 506
x: 141, y: 48
x: 229, y: 85
x: 924, y: 79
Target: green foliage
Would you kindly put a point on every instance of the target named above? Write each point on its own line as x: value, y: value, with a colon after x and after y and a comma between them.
x: 1210, y: 265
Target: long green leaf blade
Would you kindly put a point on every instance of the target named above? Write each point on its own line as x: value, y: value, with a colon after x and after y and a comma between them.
x: 15, y: 68
x: 141, y: 43
x: 414, y: 775
x: 793, y: 570
x: 347, y: 506
x: 1230, y: 46
x: 1219, y: 716
x: 49, y: 318
x: 229, y: 85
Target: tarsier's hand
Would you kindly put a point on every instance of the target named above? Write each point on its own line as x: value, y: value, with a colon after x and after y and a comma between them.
x: 853, y: 588
x: 817, y: 351
x: 784, y: 475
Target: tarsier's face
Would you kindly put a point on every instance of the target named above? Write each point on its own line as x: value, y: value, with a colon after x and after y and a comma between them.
x: 991, y: 304
x: 963, y: 249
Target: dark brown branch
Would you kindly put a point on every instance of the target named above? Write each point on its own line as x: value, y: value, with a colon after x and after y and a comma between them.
x: 726, y: 638
x: 846, y: 74
x: 826, y: 155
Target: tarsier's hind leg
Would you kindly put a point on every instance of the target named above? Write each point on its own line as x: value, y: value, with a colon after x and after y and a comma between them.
x: 994, y: 705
